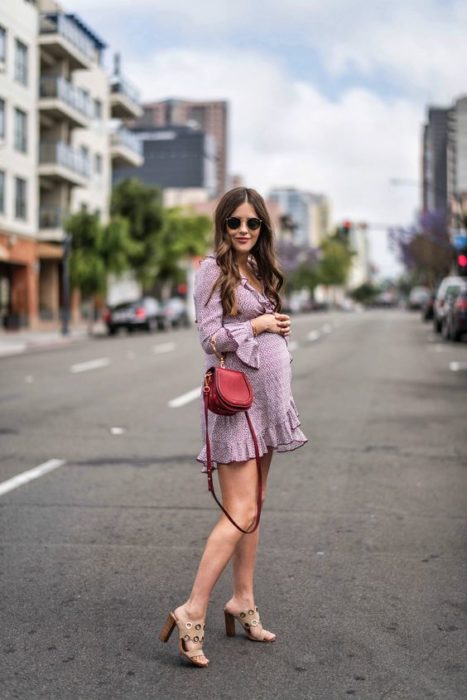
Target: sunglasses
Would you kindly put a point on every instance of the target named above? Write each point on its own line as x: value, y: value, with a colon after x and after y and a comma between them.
x: 234, y: 222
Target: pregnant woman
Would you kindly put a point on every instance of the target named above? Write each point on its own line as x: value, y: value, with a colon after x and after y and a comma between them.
x: 238, y: 315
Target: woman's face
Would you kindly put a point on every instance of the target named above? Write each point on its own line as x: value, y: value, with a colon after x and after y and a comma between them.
x: 246, y: 230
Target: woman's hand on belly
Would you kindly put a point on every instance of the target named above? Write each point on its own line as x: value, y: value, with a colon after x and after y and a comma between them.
x: 272, y: 323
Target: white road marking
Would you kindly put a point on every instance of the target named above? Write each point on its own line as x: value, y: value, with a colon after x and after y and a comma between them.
x: 185, y: 398
x: 163, y: 347
x: 29, y: 379
x: 91, y: 364
x: 457, y: 366
x: 313, y: 335
x: 327, y: 328
x: 293, y: 345
x: 31, y: 474
x: 12, y: 349
x: 117, y: 431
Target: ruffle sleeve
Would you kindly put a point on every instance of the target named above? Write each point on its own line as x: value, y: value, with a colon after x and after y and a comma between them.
x: 233, y: 336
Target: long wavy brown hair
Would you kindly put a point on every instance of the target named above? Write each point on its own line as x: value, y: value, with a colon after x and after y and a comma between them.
x: 263, y: 251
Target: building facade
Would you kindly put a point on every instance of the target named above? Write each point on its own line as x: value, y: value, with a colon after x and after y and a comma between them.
x: 179, y: 157
x: 18, y: 160
x: 211, y: 117
x: 308, y: 213
x: 56, y: 149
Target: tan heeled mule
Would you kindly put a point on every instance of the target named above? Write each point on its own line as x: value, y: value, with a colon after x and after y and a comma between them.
x: 188, y: 632
x: 248, y: 619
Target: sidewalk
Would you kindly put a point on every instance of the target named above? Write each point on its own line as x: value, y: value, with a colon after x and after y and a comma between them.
x: 23, y: 341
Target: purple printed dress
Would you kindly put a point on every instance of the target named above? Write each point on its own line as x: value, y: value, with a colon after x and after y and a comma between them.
x: 264, y: 359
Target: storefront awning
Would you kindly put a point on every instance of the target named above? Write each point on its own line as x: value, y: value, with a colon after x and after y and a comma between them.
x: 48, y: 250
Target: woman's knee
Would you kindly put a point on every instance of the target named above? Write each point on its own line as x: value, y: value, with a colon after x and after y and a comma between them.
x: 244, y: 513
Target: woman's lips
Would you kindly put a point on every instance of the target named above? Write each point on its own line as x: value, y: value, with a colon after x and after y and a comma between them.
x: 242, y: 240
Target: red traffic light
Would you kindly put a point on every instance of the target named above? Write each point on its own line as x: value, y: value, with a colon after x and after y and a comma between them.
x: 462, y: 260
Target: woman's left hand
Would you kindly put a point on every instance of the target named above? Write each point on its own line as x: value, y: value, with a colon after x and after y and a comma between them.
x: 283, y: 321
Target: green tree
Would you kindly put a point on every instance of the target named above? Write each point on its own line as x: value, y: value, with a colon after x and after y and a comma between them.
x: 335, y: 262
x: 96, y: 251
x: 142, y: 207
x: 184, y: 235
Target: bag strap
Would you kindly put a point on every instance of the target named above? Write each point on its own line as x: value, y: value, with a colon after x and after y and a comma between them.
x: 258, y: 465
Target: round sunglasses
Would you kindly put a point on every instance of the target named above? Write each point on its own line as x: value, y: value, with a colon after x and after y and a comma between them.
x: 234, y: 222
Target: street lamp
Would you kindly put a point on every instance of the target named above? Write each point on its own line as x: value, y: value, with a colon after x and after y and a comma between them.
x: 66, y: 283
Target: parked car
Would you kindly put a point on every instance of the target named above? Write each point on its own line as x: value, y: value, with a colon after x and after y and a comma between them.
x: 417, y: 297
x: 145, y: 313
x: 427, y: 308
x: 455, y: 322
x: 449, y: 285
x: 175, y: 313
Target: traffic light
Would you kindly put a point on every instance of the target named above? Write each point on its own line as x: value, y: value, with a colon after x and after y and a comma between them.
x: 462, y: 262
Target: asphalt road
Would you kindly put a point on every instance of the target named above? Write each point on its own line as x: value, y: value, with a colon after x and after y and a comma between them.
x: 362, y: 567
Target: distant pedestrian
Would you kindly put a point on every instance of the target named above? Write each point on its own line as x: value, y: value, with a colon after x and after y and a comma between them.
x: 238, y: 314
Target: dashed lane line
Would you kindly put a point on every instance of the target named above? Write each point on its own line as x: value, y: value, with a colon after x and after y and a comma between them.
x: 163, y: 347
x: 458, y: 366
x: 91, y: 364
x: 185, y: 398
x: 29, y: 475
x: 313, y: 335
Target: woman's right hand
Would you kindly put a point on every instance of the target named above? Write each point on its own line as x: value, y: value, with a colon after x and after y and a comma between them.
x: 273, y: 323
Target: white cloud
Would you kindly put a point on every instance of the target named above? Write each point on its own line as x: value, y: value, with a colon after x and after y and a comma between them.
x: 284, y: 132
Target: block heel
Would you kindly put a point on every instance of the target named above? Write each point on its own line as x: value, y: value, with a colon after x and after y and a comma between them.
x: 229, y: 624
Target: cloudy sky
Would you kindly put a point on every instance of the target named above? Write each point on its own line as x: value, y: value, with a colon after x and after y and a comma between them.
x: 325, y: 95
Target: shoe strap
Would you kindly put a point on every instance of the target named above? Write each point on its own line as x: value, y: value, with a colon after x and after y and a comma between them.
x: 249, y: 618
x: 191, y: 631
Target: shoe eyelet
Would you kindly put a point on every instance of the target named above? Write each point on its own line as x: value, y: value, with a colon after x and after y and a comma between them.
x: 196, y: 639
x: 242, y: 614
x: 186, y: 638
x: 254, y: 622
x: 251, y: 612
x: 197, y: 627
x: 188, y: 625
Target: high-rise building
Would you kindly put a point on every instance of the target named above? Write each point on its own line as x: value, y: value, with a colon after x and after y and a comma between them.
x: 179, y: 157
x: 434, y: 160
x: 209, y: 116
x: 56, y: 151
x: 457, y: 150
x: 308, y: 214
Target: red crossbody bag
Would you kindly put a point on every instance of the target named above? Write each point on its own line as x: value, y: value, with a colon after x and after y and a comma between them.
x: 226, y: 392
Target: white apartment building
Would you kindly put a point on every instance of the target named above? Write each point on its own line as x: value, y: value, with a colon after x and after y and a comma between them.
x: 18, y: 159
x: 63, y: 148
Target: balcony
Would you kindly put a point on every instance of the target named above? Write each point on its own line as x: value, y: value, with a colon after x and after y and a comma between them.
x: 51, y: 222
x: 124, y: 100
x: 125, y: 149
x: 62, y: 101
x: 65, y: 37
x: 60, y: 163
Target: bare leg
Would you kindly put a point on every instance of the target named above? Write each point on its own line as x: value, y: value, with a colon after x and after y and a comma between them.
x: 244, y: 559
x: 238, y: 486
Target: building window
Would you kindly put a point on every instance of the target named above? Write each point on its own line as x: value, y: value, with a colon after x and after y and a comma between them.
x: 21, y: 63
x: 98, y: 110
x: 2, y: 44
x: 98, y: 163
x: 21, y: 131
x: 2, y: 119
x: 2, y: 191
x: 20, y: 198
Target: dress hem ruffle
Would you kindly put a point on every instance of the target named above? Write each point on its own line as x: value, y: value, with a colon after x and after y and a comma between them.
x: 283, y: 437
